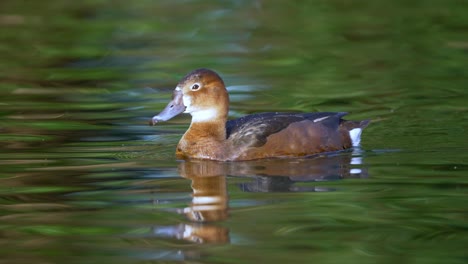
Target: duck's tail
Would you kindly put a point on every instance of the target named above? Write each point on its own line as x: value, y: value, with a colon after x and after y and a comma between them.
x: 354, y: 129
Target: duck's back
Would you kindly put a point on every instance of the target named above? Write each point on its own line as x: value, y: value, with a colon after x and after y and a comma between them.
x: 291, y: 134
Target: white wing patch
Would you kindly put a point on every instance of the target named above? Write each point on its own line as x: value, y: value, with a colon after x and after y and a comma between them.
x: 320, y: 119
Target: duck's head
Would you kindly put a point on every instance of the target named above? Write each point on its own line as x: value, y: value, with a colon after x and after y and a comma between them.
x: 200, y: 93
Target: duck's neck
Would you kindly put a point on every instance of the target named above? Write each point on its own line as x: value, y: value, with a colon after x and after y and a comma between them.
x: 207, y: 130
x: 204, y: 140
x: 207, y: 124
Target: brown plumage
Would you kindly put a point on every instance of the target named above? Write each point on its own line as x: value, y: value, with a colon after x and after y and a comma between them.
x: 267, y: 135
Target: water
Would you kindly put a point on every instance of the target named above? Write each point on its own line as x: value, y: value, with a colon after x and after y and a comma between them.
x: 84, y: 179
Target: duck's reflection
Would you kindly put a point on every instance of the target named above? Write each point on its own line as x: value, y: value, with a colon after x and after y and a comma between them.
x: 209, y: 202
x: 194, y: 232
x: 282, y: 175
x: 209, y: 198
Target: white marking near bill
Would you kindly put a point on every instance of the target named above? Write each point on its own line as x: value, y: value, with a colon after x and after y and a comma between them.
x: 188, y: 230
x: 187, y: 103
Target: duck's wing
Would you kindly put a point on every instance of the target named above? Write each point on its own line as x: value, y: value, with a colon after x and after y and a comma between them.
x: 253, y: 130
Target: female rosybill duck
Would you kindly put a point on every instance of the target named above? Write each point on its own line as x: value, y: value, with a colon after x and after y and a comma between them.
x: 202, y: 94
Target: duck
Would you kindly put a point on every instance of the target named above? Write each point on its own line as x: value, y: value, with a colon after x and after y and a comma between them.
x: 211, y: 136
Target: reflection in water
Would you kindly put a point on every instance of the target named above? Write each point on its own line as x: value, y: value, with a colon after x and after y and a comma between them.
x: 210, y: 198
x: 209, y: 201
x: 209, y: 204
x: 194, y: 232
x: 281, y: 175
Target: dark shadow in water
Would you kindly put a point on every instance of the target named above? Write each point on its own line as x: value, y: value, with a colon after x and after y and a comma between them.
x: 210, y: 197
x: 281, y: 175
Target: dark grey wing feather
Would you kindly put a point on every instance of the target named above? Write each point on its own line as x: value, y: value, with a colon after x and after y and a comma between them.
x: 253, y: 130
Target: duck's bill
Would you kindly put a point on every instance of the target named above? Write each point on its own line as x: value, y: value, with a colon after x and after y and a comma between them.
x: 175, y: 107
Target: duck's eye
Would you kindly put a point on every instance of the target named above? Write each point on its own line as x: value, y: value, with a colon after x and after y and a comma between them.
x: 195, y: 86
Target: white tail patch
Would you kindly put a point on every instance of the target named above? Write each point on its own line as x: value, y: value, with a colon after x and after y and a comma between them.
x: 355, y: 135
